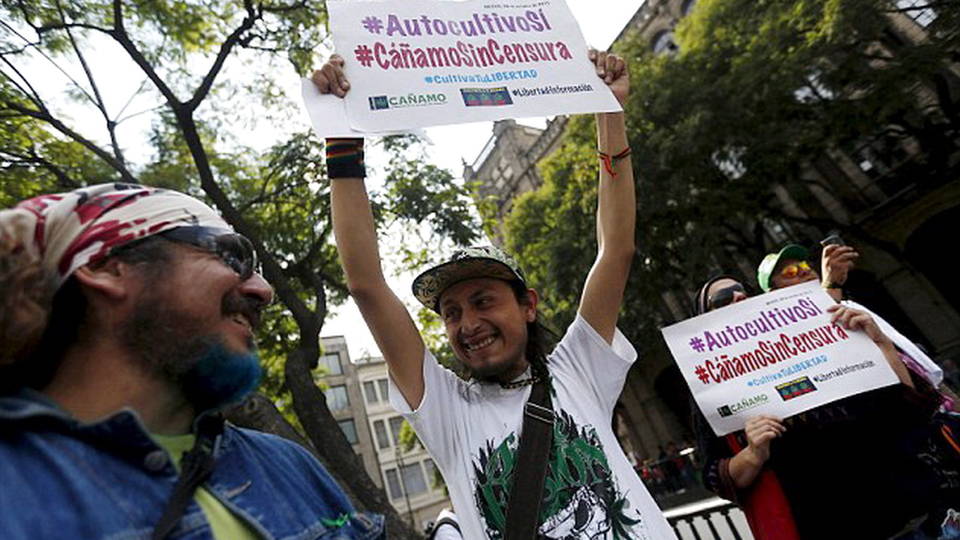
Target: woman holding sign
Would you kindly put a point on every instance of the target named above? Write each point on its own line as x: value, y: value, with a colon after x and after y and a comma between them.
x: 848, y: 469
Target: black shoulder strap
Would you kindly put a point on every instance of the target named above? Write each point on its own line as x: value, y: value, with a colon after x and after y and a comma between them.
x: 195, y: 467
x: 440, y: 523
x: 530, y: 472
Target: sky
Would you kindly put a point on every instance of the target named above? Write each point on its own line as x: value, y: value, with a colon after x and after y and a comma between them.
x: 257, y: 126
x: 452, y: 145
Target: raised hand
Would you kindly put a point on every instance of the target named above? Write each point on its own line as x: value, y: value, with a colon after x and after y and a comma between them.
x: 330, y: 78
x: 613, y: 70
x: 836, y: 263
x: 761, y: 431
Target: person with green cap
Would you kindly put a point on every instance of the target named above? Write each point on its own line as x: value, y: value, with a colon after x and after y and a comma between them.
x: 791, y: 266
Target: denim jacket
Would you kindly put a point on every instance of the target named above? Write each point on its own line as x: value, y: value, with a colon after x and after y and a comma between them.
x: 60, y: 478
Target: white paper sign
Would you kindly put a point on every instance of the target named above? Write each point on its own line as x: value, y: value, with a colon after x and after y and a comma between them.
x: 434, y: 62
x: 777, y: 353
x: 328, y: 115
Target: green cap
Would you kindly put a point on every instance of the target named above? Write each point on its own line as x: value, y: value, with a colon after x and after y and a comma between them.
x: 770, y: 262
x: 469, y: 263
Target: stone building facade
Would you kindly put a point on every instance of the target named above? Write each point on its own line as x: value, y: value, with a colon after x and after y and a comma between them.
x: 901, y: 272
x: 356, y: 393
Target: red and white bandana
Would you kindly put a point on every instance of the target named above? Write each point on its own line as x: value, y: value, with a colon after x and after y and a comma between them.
x: 68, y: 230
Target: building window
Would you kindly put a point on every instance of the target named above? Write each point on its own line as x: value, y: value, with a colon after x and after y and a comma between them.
x: 380, y: 430
x: 395, y: 424
x: 918, y: 10
x: 370, y: 392
x: 663, y: 43
x: 330, y: 363
x: 337, y: 399
x: 393, y: 483
x: 349, y: 429
x: 413, y: 479
x: 431, y: 470
x: 382, y: 383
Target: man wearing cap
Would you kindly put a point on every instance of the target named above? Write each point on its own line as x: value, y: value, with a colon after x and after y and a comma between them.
x: 473, y: 428
x: 126, y: 322
x: 791, y: 266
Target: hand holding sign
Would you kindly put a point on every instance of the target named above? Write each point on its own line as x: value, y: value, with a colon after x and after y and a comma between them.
x: 779, y: 354
x: 854, y: 319
x: 613, y: 70
x: 330, y: 78
x: 761, y: 431
x: 435, y: 62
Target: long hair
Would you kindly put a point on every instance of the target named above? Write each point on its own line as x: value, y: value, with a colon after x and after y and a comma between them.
x: 38, y: 322
x: 540, y: 339
x: 26, y: 295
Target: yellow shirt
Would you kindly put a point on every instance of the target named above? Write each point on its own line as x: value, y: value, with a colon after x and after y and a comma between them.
x: 224, y: 524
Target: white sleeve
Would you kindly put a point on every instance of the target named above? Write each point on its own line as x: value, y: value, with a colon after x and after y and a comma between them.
x: 583, y: 357
x: 932, y: 371
x: 437, y: 421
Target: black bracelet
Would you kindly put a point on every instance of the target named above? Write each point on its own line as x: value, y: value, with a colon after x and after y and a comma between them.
x: 345, y: 158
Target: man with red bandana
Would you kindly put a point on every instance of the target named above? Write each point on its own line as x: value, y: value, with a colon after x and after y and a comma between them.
x: 472, y: 428
x: 127, y: 318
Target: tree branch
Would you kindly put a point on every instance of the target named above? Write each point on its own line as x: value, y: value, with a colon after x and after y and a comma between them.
x: 64, y: 181
x: 119, y: 33
x: 222, y: 55
x: 98, y: 101
x: 88, y: 144
x: 272, y: 270
x: 30, y: 92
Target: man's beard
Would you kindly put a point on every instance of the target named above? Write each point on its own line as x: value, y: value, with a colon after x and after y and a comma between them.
x: 202, y: 367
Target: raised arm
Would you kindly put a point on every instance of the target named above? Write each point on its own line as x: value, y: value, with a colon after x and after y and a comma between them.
x: 616, y: 208
x: 356, y: 237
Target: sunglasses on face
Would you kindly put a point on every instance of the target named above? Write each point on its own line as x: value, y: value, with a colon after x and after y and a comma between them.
x: 724, y: 297
x: 796, y: 269
x: 233, y: 249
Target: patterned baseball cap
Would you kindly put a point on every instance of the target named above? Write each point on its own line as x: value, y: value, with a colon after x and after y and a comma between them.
x: 472, y: 262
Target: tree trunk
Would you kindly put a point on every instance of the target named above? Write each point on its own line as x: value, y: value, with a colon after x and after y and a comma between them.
x: 259, y: 413
x: 311, y: 407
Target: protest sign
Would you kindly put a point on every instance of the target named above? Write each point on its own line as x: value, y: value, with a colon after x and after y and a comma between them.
x: 775, y: 354
x: 328, y: 115
x: 435, y: 62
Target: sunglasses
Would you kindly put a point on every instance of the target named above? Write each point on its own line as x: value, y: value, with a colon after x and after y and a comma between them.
x: 793, y: 270
x: 233, y: 249
x: 724, y: 297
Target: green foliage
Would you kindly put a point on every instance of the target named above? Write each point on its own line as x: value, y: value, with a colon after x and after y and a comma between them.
x: 408, y: 437
x: 551, y: 229
x: 437, y: 210
x: 758, y: 92
x: 280, y: 189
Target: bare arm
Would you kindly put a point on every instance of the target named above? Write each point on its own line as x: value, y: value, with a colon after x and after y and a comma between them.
x: 616, y: 211
x: 356, y: 237
x: 747, y: 464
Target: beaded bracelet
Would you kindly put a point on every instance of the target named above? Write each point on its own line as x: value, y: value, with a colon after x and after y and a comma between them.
x: 610, y: 161
x: 345, y: 158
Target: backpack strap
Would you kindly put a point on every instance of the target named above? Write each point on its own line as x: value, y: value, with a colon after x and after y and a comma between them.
x: 195, y: 467
x: 530, y: 472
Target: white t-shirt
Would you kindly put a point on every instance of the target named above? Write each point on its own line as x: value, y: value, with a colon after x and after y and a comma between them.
x: 472, y: 430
